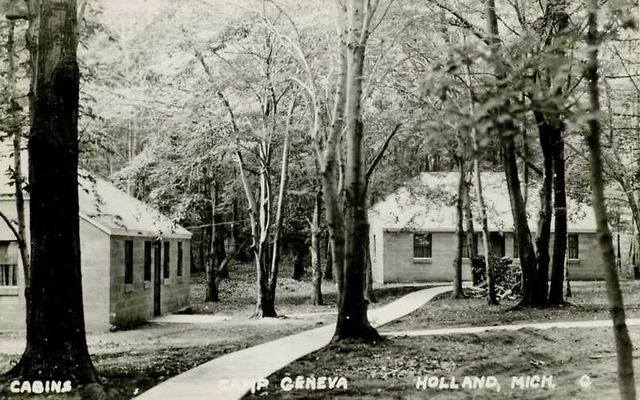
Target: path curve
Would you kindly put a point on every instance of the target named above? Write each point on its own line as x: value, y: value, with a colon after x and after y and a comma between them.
x: 231, y: 376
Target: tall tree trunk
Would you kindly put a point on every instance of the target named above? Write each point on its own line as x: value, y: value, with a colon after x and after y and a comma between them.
x: 329, y: 161
x: 472, y: 244
x: 17, y: 177
x: 457, y: 262
x: 316, y: 265
x: 212, y: 254
x: 56, y: 342
x: 484, y: 221
x: 282, y: 192
x: 624, y: 347
x: 507, y: 132
x: 560, y: 213
x: 353, y: 322
x: 544, y: 214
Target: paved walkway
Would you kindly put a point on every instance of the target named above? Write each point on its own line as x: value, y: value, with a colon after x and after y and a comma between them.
x: 233, y: 375
x: 600, y: 323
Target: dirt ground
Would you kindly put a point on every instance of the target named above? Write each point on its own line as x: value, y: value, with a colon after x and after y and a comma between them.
x: 580, y: 362
x: 132, y: 361
x: 238, y: 293
x: 589, y: 301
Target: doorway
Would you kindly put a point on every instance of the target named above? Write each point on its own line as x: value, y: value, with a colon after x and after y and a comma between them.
x: 157, y: 278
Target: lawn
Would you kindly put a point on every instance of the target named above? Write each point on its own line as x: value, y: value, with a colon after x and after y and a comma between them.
x: 132, y: 361
x: 589, y: 301
x: 392, y: 369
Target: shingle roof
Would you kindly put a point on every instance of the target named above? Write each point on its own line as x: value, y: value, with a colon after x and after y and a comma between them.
x: 107, y: 207
x: 428, y: 203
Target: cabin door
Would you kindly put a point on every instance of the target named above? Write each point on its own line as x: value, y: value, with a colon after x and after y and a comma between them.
x: 157, y: 279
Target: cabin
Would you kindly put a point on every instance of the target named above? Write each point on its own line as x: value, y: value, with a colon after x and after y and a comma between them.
x: 413, y: 230
x: 134, y: 260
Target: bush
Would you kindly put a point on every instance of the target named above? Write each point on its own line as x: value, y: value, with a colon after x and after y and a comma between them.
x: 506, y: 274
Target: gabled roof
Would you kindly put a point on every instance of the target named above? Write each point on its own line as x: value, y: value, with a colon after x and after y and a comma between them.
x: 428, y: 203
x: 106, y: 207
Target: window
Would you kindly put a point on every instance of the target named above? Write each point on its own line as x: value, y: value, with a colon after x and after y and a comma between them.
x: 147, y: 261
x: 167, y: 249
x: 8, y: 264
x: 572, y: 247
x: 421, y: 245
x: 465, y: 244
x: 179, y: 258
x: 128, y: 261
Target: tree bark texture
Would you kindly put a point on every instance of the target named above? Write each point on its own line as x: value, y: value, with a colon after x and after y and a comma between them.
x: 316, y: 265
x: 540, y: 291
x: 624, y: 347
x: 507, y: 132
x: 560, y: 214
x: 56, y: 342
x: 457, y: 262
x: 17, y: 177
x: 352, y: 321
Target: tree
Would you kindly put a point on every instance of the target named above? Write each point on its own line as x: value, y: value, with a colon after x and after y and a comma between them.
x: 56, y: 343
x: 624, y: 347
x: 352, y: 310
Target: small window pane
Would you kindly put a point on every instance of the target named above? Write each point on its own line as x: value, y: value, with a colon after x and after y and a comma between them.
x: 8, y: 264
x: 422, y: 245
x: 573, y: 247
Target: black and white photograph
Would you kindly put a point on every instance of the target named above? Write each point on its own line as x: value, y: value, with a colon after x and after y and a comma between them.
x: 319, y: 199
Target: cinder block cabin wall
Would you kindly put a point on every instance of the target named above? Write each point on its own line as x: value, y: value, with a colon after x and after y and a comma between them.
x: 12, y: 302
x: 400, y: 266
x: 175, y: 292
x: 94, y: 259
x: 131, y: 307
x: 587, y: 267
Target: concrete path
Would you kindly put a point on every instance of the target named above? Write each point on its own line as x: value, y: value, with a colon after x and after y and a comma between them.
x: 190, y: 319
x: 601, y: 323
x: 233, y: 375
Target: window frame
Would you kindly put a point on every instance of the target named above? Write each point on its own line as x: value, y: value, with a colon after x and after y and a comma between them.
x: 569, y: 246
x: 426, y: 252
x: 11, y: 267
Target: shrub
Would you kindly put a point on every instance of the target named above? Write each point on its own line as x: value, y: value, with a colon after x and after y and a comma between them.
x: 506, y: 274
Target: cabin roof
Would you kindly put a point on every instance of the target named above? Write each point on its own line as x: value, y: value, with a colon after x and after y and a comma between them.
x: 106, y: 207
x: 427, y: 203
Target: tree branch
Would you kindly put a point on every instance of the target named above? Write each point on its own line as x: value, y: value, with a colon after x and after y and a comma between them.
x: 381, y: 151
